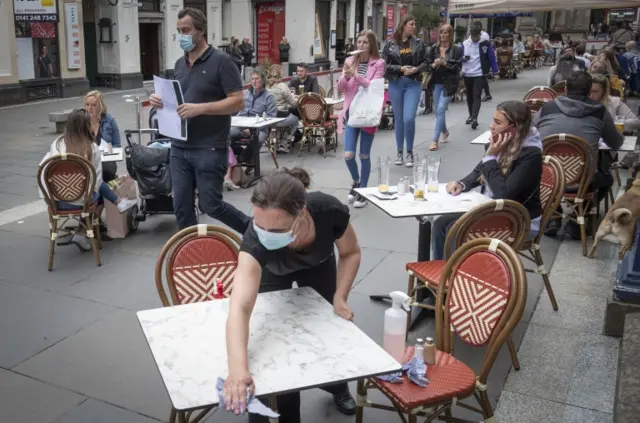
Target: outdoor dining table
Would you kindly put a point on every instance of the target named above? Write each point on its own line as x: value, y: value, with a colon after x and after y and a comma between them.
x: 425, y: 211
x: 628, y: 146
x: 296, y: 342
x: 254, y: 126
x: 116, y: 155
x: 333, y: 101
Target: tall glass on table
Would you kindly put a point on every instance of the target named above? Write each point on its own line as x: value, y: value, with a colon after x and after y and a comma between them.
x: 384, y: 168
x: 433, y: 168
x: 619, y: 121
x: 419, y: 180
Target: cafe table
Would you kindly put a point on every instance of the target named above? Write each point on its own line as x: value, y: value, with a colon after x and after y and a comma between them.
x: 254, y: 125
x: 296, y: 342
x: 425, y: 211
x: 628, y: 145
x: 116, y: 155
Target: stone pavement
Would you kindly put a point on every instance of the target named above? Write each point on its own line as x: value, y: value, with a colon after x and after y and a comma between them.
x: 73, y: 349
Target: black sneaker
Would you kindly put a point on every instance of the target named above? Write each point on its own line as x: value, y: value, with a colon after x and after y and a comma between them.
x: 352, y: 192
x: 487, y: 98
x: 345, y: 403
x: 399, y: 159
x: 553, y: 227
x: 474, y: 124
x: 469, y: 120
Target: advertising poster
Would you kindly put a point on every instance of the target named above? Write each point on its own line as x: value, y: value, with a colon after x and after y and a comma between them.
x: 35, y: 10
x: 270, y: 18
x: 391, y: 15
x: 72, y: 31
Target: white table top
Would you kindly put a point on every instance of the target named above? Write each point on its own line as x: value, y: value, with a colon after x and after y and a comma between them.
x: 628, y: 145
x: 116, y: 156
x: 331, y: 101
x: 296, y: 342
x: 435, y: 204
x: 250, y: 122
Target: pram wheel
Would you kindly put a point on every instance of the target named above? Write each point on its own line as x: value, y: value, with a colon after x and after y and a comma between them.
x: 133, y: 218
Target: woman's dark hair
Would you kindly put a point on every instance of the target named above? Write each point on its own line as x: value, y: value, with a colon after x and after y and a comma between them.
x: 300, y: 174
x: 397, y: 35
x: 77, y: 136
x: 280, y: 190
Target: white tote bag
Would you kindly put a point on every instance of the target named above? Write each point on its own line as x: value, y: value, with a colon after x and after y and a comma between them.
x: 365, y: 110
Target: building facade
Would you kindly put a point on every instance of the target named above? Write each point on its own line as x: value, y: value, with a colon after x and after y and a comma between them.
x: 61, y: 48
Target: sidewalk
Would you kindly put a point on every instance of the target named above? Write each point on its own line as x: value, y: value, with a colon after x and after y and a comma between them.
x: 75, y: 352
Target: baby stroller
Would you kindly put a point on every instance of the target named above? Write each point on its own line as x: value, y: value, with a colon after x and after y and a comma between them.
x: 386, y: 121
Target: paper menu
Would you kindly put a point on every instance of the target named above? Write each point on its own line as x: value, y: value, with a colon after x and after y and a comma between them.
x: 169, y: 122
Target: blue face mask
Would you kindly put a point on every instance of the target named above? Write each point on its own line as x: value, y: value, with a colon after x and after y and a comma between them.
x: 186, y: 42
x: 273, y: 240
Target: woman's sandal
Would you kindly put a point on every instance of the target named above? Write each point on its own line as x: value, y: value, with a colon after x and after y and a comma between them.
x: 434, y: 146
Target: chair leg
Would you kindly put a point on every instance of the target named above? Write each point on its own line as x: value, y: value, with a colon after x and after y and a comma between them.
x: 545, y: 277
x: 53, y: 232
x: 172, y: 416
x: 485, y: 404
x: 513, y: 353
x: 616, y: 173
x: 583, y: 230
x: 361, y: 393
x: 94, y: 241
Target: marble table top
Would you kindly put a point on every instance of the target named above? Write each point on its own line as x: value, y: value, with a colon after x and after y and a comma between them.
x: 436, y: 203
x: 628, y: 145
x: 250, y: 121
x: 296, y: 342
x: 116, y: 155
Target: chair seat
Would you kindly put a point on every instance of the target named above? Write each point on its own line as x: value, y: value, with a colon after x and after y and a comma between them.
x: 448, y: 378
x: 75, y: 212
x: 427, y: 271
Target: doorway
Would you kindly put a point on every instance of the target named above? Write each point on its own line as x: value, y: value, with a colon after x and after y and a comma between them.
x: 91, y: 52
x: 149, y: 50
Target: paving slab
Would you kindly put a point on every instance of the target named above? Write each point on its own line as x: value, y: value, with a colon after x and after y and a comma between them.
x: 26, y: 400
x: 100, y: 412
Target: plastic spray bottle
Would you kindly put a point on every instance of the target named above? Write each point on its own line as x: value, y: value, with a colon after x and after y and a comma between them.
x: 395, y: 325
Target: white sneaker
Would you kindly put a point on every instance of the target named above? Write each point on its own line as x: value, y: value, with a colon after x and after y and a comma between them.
x: 409, y: 162
x: 125, y: 204
x: 359, y: 202
x: 352, y: 193
x: 81, y: 242
x: 229, y: 185
x: 398, y: 161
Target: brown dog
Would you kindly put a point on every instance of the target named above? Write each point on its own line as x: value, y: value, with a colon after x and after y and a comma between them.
x: 620, y: 221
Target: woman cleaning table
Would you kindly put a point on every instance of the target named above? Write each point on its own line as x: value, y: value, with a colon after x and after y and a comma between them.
x: 293, y: 238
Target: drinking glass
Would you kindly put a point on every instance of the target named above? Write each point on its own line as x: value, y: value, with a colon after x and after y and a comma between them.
x: 620, y: 123
x: 433, y: 168
x: 384, y: 167
x: 300, y: 89
x: 419, y: 180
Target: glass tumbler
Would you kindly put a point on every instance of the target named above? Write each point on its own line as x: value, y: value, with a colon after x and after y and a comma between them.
x: 384, y: 168
x: 433, y: 168
x: 419, y: 181
x: 619, y: 123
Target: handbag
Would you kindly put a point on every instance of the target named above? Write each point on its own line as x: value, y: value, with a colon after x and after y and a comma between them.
x: 365, y: 110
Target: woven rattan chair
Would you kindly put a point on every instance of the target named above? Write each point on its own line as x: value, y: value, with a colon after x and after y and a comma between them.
x: 560, y: 88
x: 192, y: 262
x: 505, y: 220
x: 484, y: 303
x: 551, y: 190
x: 578, y: 166
x: 315, y: 123
x: 534, y: 105
x: 540, y: 93
x: 70, y: 178
x: 323, y: 93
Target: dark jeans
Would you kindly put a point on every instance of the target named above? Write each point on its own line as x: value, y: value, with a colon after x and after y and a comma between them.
x: 203, y: 168
x: 322, y: 278
x: 474, y: 86
x: 485, y: 86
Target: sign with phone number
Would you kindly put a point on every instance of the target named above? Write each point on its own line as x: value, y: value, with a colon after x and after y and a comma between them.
x: 51, y: 17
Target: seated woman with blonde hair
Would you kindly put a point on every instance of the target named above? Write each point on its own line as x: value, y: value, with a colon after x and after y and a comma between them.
x: 103, y: 129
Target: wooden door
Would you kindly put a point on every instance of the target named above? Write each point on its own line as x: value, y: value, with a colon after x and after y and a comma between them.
x: 149, y: 51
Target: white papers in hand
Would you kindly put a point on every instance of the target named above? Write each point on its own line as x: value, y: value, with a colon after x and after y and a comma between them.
x: 169, y: 122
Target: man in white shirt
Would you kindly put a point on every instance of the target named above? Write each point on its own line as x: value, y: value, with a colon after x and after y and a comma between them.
x: 485, y: 86
x: 478, y: 60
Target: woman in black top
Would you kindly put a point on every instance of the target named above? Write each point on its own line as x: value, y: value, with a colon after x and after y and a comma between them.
x: 444, y: 59
x: 406, y: 60
x: 292, y: 238
x: 510, y: 170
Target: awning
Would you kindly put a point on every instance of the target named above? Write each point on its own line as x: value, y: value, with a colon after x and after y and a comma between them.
x: 501, y: 6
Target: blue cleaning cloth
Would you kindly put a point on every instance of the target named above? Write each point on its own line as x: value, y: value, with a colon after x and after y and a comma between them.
x: 254, y: 406
x: 416, y: 371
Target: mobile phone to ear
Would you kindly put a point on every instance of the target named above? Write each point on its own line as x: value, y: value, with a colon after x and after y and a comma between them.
x: 509, y: 130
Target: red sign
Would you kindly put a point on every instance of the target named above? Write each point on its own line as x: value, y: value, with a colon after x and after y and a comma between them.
x: 403, y: 11
x: 43, y: 30
x: 271, y: 29
x: 391, y: 21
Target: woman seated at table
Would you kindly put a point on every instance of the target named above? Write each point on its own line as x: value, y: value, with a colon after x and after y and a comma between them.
x: 285, y: 100
x: 104, y: 129
x: 78, y: 139
x: 510, y: 170
x: 292, y: 238
x: 600, y: 92
x: 603, y: 67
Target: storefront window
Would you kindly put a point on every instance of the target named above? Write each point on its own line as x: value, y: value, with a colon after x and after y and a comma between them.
x: 37, y: 49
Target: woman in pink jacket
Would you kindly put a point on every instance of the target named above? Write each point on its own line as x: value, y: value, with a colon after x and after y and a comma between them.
x: 358, y: 71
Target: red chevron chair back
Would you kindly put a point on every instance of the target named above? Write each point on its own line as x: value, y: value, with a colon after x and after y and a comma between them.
x: 485, y: 300
x: 505, y: 220
x: 560, y: 88
x: 540, y: 93
x: 193, y: 261
x: 534, y: 105
x: 66, y: 177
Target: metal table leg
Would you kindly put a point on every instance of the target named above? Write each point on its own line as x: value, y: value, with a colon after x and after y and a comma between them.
x: 255, y: 140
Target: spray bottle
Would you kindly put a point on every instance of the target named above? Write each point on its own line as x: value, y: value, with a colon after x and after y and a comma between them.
x: 395, y: 325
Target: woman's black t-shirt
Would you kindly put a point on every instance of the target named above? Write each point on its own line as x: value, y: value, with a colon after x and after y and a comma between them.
x: 330, y: 218
x: 406, y: 53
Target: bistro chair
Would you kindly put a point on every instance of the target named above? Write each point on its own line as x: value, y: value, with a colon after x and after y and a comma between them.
x: 315, y: 124
x: 484, y: 303
x: 505, y: 220
x: 575, y: 157
x: 323, y: 93
x: 551, y: 189
x: 193, y: 261
x: 560, y: 88
x: 70, y: 178
x: 534, y: 105
x: 506, y: 68
x: 540, y: 93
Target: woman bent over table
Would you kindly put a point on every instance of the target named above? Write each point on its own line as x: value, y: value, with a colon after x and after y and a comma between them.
x: 510, y: 170
x: 292, y: 238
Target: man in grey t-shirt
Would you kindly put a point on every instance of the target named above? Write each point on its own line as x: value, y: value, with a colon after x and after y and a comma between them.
x: 212, y: 90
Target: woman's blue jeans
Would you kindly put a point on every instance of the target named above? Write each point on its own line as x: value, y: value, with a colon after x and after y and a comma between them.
x: 404, y: 94
x: 350, y: 146
x: 440, y: 103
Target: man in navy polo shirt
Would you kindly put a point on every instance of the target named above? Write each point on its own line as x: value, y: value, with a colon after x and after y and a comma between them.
x: 212, y: 90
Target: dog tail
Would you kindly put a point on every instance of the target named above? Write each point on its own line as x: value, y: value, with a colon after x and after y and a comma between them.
x: 622, y: 216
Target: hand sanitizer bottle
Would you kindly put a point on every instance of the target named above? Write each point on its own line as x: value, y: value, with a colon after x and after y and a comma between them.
x: 395, y: 325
